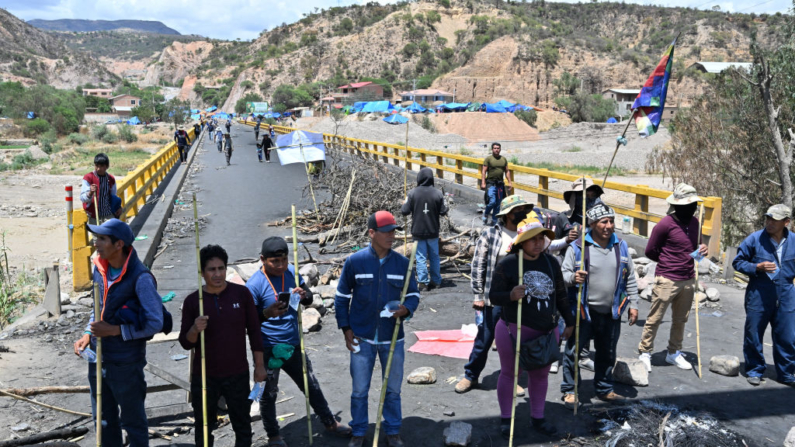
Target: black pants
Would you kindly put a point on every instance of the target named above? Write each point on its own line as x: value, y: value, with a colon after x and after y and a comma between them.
x: 604, y: 331
x: 267, y: 151
x: 235, y: 390
x: 293, y: 368
x: 183, y: 152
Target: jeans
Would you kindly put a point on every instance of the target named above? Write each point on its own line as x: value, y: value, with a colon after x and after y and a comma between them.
x: 758, y: 315
x: 183, y: 152
x: 123, y: 388
x: 483, y: 341
x: 294, y: 369
x: 235, y: 390
x: 220, y: 145
x: 428, y: 250
x: 678, y: 295
x: 496, y: 194
x: 604, y: 331
x: 362, y: 364
x: 228, y: 154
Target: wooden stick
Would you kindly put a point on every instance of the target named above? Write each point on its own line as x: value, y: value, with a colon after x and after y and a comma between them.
x: 98, y: 384
x: 51, y: 407
x: 405, y: 186
x: 698, y: 332
x: 632, y: 113
x: 395, y: 332
x: 344, y: 208
x: 201, y: 334
x: 301, y: 332
x: 311, y: 189
x: 518, y: 346
x: 46, y: 436
x: 579, y: 300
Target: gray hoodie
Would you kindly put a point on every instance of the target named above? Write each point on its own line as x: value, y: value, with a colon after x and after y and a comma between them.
x: 425, y: 204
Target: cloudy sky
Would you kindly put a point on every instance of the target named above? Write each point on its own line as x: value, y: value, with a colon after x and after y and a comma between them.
x: 245, y: 19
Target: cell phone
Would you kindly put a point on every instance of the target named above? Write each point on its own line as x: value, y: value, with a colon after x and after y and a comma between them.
x: 284, y: 297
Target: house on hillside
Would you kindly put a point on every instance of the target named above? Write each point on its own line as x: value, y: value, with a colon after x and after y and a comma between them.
x: 719, y: 67
x: 122, y: 105
x: 354, y: 92
x: 426, y: 96
x: 624, y: 98
x: 100, y: 92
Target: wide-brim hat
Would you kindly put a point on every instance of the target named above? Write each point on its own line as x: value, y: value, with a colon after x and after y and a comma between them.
x: 512, y: 202
x: 684, y: 194
x: 530, y: 228
x: 577, y: 186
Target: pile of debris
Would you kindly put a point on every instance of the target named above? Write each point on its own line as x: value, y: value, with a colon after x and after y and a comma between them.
x: 645, y: 270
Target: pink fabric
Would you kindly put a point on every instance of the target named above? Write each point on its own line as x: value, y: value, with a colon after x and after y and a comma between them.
x: 452, y: 343
x: 537, y: 380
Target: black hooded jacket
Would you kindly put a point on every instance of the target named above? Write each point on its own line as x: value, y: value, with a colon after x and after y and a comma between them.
x: 425, y: 203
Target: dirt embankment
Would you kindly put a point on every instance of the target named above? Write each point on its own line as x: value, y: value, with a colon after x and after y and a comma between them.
x: 177, y: 61
x: 482, y: 127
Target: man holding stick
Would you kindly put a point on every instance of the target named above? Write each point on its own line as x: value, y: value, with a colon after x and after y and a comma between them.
x: 371, y: 280
x: 671, y: 245
x: 229, y: 317
x: 766, y: 257
x: 131, y: 312
x: 279, y: 328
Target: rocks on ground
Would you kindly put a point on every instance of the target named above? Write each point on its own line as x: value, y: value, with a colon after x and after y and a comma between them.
x: 725, y: 365
x: 422, y: 375
x: 790, y: 440
x: 310, y: 274
x: 458, y: 434
x: 311, y: 320
x: 630, y: 372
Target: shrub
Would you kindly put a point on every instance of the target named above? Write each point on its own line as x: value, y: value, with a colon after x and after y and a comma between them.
x: 77, y: 138
x: 23, y: 161
x: 126, y: 133
x: 99, y: 131
x: 528, y: 116
x: 110, y: 137
x: 427, y: 124
x: 36, y: 127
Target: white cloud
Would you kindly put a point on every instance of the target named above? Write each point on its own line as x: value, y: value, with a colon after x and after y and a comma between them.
x: 245, y: 19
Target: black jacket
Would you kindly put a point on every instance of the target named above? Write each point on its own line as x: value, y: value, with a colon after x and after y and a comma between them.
x: 425, y: 204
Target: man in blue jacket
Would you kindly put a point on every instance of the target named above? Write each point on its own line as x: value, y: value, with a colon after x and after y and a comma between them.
x: 768, y: 258
x: 370, y: 279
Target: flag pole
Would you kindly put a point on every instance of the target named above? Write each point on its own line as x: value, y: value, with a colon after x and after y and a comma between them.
x: 698, y: 332
x: 618, y: 144
x: 308, y: 179
x: 405, y: 188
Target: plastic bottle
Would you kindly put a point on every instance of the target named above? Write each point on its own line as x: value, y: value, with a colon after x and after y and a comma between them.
x: 625, y: 226
x: 89, y: 355
x: 256, y: 392
x: 478, y: 317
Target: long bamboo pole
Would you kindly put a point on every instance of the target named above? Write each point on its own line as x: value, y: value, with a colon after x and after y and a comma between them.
x: 395, y: 332
x: 518, y: 346
x: 579, y: 301
x: 98, y: 317
x: 698, y: 332
x: 405, y: 188
x: 201, y: 314
x: 301, y: 332
x: 308, y: 179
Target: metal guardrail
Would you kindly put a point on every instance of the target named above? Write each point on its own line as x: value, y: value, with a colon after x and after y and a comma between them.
x: 456, y: 165
x: 133, y: 189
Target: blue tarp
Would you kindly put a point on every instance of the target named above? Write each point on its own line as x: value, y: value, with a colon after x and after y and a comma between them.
x: 456, y: 106
x: 211, y: 109
x: 300, y: 147
x: 611, y: 120
x: 196, y: 117
x: 221, y: 116
x: 396, y: 119
x: 195, y: 111
x: 133, y: 121
x: 31, y: 115
x: 504, y: 103
x: 516, y: 107
x: 415, y: 108
x: 378, y: 107
x: 494, y: 108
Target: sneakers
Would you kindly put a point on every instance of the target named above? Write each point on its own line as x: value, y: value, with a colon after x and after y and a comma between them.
x: 553, y: 368
x: 754, y: 380
x: 611, y: 397
x: 394, y: 441
x: 587, y: 364
x: 464, y: 385
x: 645, y: 357
x: 678, y: 359
x: 356, y: 441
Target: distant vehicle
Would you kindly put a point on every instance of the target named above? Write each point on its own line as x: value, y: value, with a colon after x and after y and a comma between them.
x: 111, y: 122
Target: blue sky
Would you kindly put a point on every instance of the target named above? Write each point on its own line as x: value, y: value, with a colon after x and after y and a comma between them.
x: 245, y: 19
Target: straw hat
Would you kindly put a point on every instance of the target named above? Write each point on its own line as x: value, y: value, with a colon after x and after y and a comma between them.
x: 530, y: 228
x: 684, y: 194
x: 576, y: 186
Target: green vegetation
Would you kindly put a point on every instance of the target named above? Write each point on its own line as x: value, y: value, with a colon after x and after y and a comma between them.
x: 528, y: 116
x: 592, y: 171
x: 286, y: 97
x: 584, y: 107
x: 61, y: 110
x: 15, y: 292
x: 126, y: 134
x: 122, y: 45
x: 240, y: 105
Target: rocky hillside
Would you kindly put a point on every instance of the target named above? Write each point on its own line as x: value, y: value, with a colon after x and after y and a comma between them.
x: 84, y: 26
x: 30, y: 55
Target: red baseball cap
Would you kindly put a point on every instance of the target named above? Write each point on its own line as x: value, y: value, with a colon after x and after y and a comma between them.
x: 382, y: 221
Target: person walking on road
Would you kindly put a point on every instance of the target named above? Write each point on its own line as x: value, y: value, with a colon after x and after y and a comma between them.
x: 671, y: 244
x: 609, y: 287
x: 491, y: 247
x: 183, y: 143
x: 230, y: 317
x: 265, y: 146
x: 128, y: 287
x: 495, y: 167
x: 197, y: 130
x: 768, y: 258
x: 256, y: 129
x: 279, y: 332
x: 219, y: 139
x: 228, y: 125
x: 102, y: 184
x: 228, y: 147
x: 371, y: 278
x: 426, y: 204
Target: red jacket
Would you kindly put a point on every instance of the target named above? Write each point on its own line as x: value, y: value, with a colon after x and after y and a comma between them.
x: 93, y: 179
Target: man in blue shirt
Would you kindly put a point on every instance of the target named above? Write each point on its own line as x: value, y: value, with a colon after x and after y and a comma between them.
x: 281, y: 340
x: 766, y: 256
x: 370, y: 279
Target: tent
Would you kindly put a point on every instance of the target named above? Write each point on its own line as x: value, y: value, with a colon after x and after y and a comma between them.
x: 415, y: 108
x: 473, y: 107
x: 453, y: 106
x: 494, y: 108
x: 211, y: 109
x: 31, y: 115
x: 300, y: 146
x: 221, y: 116
x: 133, y: 121
x: 196, y: 117
x: 378, y: 107
x: 504, y: 103
x: 611, y: 120
x: 396, y: 119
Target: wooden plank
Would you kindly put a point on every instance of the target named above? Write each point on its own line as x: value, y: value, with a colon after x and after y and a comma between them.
x: 168, y: 410
x: 162, y: 338
x: 167, y: 376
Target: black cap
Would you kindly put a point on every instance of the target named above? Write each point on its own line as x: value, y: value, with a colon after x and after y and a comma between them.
x: 273, y: 247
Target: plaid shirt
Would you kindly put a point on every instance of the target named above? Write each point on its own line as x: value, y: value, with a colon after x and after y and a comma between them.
x: 484, y: 261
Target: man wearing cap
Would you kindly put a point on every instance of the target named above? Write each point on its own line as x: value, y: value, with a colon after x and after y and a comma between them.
x: 183, y: 142
x: 124, y: 282
x: 609, y: 287
x: 494, y: 168
x: 371, y: 278
x: 279, y: 327
x: 768, y: 258
x: 491, y: 247
x: 425, y: 204
x: 671, y: 245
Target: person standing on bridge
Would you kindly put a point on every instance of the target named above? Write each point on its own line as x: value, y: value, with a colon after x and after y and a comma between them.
x: 197, y: 130
x: 228, y: 125
x: 219, y: 138
x: 426, y: 204
x: 495, y: 167
x: 230, y: 316
x: 279, y: 328
x: 102, y: 184
x: 228, y: 147
x: 183, y: 143
x: 766, y: 256
x: 672, y: 241
x: 265, y: 146
x: 256, y: 129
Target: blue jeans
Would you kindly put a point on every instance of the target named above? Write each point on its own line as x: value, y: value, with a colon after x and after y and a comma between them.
x: 604, y: 331
x: 428, y: 250
x: 123, y: 388
x: 362, y: 364
x: 496, y: 194
x: 758, y: 315
x: 483, y: 341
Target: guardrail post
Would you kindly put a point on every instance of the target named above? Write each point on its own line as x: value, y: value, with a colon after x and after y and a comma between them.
x: 712, y: 224
x: 512, y: 176
x: 543, y: 183
x: 384, y: 157
x: 396, y: 160
x: 641, y: 226
x: 422, y: 158
x: 459, y: 178
x: 408, y: 160
x: 439, y: 162
x: 81, y: 252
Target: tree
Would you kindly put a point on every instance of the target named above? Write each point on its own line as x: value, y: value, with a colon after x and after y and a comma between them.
x: 566, y: 85
x: 587, y: 108
x: 175, y: 111
x: 144, y: 113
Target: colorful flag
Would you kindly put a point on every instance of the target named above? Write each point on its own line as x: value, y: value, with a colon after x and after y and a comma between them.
x: 650, y: 102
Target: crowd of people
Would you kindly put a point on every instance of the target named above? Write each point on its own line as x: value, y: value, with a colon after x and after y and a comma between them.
x: 528, y: 266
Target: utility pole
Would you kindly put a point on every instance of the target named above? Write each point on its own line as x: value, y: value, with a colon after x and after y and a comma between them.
x: 414, y: 90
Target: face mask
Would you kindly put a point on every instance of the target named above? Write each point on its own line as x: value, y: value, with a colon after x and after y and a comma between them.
x: 685, y: 212
x: 518, y: 217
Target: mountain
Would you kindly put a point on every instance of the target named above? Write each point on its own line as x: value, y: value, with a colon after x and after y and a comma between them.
x: 83, y: 26
x: 29, y: 55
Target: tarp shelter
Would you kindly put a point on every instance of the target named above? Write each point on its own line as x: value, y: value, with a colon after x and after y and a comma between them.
x: 221, y: 116
x: 196, y: 117
x: 31, y: 115
x: 454, y: 343
x: 473, y: 107
x: 396, y: 119
x: 378, y: 107
x: 134, y: 121
x: 416, y: 108
x: 195, y: 111
x: 504, y: 103
x: 454, y: 106
x: 611, y: 120
x: 300, y: 147
x: 516, y: 107
x: 211, y: 109
x: 495, y: 108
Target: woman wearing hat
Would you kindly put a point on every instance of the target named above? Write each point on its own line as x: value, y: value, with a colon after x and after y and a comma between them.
x: 544, y: 293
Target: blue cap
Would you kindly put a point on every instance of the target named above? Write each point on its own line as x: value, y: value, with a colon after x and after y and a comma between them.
x: 116, y: 228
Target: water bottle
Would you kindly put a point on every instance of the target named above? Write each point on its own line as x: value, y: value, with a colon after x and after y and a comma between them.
x: 89, y: 355
x: 478, y: 317
x: 256, y: 392
x: 625, y: 226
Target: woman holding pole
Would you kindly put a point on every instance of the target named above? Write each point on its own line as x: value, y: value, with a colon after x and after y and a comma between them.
x: 542, y: 293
